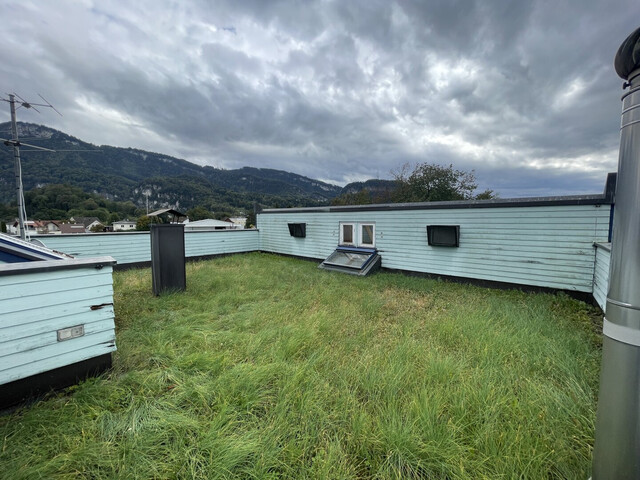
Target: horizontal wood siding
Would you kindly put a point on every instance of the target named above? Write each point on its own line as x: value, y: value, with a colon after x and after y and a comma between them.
x: 601, y: 274
x: 217, y: 242
x: 547, y: 246
x: 34, y: 306
x: 124, y: 247
x: 136, y: 247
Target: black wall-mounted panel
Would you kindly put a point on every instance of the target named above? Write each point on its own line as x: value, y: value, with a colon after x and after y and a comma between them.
x: 443, y: 235
x: 298, y: 229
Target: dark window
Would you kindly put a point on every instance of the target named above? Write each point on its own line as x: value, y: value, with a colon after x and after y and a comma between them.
x: 443, y: 235
x: 298, y: 229
x: 346, y: 235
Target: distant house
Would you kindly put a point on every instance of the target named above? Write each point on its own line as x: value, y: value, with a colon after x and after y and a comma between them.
x: 88, y: 222
x: 30, y: 227
x: 124, y: 226
x: 239, y: 222
x: 208, y: 224
x: 48, y: 227
x: 71, y: 228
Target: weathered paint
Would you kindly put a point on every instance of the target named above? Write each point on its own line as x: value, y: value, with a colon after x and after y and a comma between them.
x: 216, y: 242
x: 38, y: 299
x: 543, y: 243
x: 546, y: 246
x: 135, y: 247
x: 129, y: 247
x: 601, y: 273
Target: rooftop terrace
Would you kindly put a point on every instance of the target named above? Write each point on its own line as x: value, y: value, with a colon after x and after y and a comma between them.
x: 267, y: 367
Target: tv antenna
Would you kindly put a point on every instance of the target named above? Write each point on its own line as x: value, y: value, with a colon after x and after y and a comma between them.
x: 16, y: 144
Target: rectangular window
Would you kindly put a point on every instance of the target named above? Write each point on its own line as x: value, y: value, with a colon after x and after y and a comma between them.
x: 346, y: 234
x: 367, y: 234
x: 443, y: 235
x: 298, y: 229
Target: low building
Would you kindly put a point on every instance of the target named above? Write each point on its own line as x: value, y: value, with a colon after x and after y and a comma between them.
x: 239, y: 222
x: 208, y: 224
x: 71, y: 228
x: 124, y: 226
x: 88, y: 222
x: 48, y: 227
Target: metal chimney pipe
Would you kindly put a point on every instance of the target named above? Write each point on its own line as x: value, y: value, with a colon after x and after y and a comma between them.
x: 616, y: 453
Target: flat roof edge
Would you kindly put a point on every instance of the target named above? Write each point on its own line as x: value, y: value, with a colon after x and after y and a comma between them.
x: 497, y: 203
x: 22, y: 268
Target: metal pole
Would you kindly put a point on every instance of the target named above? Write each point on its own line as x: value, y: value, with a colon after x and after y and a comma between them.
x: 617, y: 446
x: 17, y: 167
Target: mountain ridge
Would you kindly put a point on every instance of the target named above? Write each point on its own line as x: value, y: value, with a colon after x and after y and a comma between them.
x: 133, y: 174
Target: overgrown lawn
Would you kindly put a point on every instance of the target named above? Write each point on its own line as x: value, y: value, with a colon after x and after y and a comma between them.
x: 267, y: 367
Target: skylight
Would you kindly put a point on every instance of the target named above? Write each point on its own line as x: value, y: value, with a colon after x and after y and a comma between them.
x: 353, y: 260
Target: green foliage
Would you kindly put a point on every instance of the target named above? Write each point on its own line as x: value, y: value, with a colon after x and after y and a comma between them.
x: 198, y: 213
x: 435, y: 183
x: 266, y: 367
x: 143, y: 223
x: 3, y: 227
x: 425, y: 183
x: 60, y: 202
x: 251, y: 221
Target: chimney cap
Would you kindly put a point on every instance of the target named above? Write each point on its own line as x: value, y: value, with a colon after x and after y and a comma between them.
x: 628, y: 56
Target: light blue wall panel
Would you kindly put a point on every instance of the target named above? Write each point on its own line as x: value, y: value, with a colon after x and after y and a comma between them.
x: 136, y: 247
x: 218, y: 242
x: 35, y: 304
x: 124, y: 247
x: 549, y: 246
x: 601, y: 274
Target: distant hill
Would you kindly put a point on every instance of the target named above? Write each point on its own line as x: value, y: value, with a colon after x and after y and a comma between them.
x: 126, y: 174
x: 373, y: 186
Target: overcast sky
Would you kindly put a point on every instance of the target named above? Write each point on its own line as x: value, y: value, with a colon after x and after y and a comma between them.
x: 523, y: 92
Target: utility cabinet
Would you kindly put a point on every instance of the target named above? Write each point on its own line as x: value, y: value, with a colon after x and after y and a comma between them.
x: 167, y: 258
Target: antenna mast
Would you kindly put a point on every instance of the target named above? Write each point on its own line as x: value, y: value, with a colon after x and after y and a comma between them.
x: 17, y: 167
x: 15, y: 143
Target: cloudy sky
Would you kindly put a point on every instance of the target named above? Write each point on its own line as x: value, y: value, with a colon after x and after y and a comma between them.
x: 523, y: 92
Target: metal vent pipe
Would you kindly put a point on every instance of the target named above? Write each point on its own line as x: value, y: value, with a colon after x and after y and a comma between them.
x: 617, y: 446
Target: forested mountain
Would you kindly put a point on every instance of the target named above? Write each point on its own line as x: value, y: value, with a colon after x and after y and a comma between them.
x: 126, y: 174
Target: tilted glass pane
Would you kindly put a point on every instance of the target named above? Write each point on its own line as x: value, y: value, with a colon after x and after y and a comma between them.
x: 347, y: 259
x: 367, y: 234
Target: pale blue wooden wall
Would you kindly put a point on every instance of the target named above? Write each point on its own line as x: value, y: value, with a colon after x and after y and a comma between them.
x: 601, y: 274
x: 130, y: 247
x: 197, y: 244
x: 543, y: 245
x: 136, y: 246
x: 35, y: 304
x: 547, y: 246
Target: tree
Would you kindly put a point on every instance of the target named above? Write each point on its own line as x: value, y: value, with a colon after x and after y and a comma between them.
x: 198, y: 213
x: 143, y: 223
x: 251, y: 220
x: 436, y: 183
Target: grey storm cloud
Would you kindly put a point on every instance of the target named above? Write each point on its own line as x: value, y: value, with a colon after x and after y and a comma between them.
x: 523, y: 93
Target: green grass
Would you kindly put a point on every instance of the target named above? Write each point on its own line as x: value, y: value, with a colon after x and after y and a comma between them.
x: 267, y: 367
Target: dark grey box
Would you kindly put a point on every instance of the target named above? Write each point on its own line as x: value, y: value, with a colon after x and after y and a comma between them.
x: 167, y: 258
